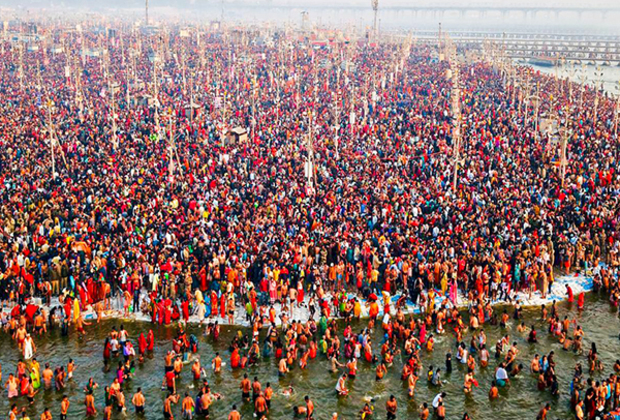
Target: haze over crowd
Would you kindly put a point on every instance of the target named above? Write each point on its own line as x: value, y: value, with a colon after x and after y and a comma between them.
x: 327, y: 13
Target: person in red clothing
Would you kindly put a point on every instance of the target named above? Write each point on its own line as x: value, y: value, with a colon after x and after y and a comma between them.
x: 170, y: 381
x: 150, y: 338
x: 167, y: 313
x: 67, y: 306
x: 142, y: 344
x: 185, y: 309
x: 161, y: 312
x: 569, y: 293
x: 223, y: 305
x: 581, y: 300
x: 214, y: 303
x: 235, y: 359
x: 373, y: 312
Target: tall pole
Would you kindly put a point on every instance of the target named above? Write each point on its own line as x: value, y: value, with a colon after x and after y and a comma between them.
x: 456, y: 115
x: 170, y: 149
x: 537, y: 105
x: 156, y: 93
x: 83, y: 50
x: 191, y: 102
x: 595, y: 107
x: 439, y: 40
x: 349, y: 84
x: 51, y: 134
x: 134, y: 73
x: 155, y: 89
x: 112, y: 105
x: 254, y: 89
x: 184, y: 72
x: 375, y: 30
x: 571, y: 73
x: 564, y: 141
x: 583, y: 83
x: 564, y: 134
x: 616, y: 116
x: 309, y: 161
x: 120, y: 40
x: 280, y: 63
x: 39, y: 79
x: 21, y: 67
x: 515, y: 82
x: 146, y: 13
x: 127, y: 87
x: 523, y: 96
x: 597, y: 85
x: 78, y: 91
x: 336, y: 123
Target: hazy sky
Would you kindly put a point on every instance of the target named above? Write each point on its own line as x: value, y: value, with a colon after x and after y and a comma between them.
x: 589, y: 22
x: 576, y: 3
x: 505, y: 2
x: 573, y: 3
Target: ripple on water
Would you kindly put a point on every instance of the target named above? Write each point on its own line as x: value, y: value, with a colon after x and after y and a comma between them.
x: 520, y: 400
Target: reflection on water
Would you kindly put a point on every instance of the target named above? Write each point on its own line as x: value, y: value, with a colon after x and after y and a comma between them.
x: 519, y: 401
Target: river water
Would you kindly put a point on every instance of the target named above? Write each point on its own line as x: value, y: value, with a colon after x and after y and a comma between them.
x: 607, y: 76
x: 519, y: 401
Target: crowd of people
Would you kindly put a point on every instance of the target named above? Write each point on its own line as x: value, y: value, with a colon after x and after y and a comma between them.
x: 119, y: 179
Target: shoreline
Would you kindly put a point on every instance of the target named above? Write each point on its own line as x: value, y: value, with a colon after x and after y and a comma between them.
x: 578, y: 282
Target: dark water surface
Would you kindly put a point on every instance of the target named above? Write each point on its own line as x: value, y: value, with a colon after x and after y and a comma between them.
x: 521, y: 400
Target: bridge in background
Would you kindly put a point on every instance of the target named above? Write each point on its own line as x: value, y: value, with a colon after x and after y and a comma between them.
x: 438, y: 10
x: 578, y: 48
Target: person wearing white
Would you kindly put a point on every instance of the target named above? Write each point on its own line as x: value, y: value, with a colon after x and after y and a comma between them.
x: 501, y: 376
x: 29, y: 347
x: 438, y: 398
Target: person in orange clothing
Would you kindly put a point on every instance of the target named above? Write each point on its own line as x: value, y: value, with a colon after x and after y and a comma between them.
x: 260, y: 407
x: 309, y: 407
x: 188, y: 407
x: 235, y: 359
x: 246, y: 387
x: 374, y: 310
x: 196, y: 369
x: 234, y: 414
x: 268, y: 394
x: 64, y: 407
x: 217, y: 363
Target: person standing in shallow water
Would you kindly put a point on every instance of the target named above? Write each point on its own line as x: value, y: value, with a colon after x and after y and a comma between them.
x: 309, y: 408
x: 89, y: 403
x: 234, y: 414
x: 424, y: 412
x: 64, y: 407
x: 441, y: 411
x: 544, y: 412
x: 138, y: 402
x: 391, y: 406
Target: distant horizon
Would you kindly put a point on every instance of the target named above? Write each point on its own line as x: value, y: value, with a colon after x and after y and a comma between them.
x: 264, y: 11
x: 301, y: 3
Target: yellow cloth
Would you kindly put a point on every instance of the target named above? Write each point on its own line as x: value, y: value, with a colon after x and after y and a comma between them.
x: 76, y: 309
